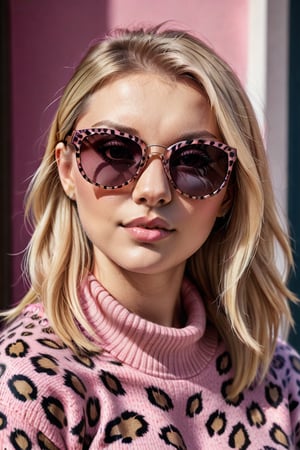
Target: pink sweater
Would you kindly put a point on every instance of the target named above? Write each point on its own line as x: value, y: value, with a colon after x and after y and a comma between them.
x: 152, y: 387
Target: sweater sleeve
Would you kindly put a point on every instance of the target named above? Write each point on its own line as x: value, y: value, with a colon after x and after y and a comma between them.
x: 294, y: 400
x: 288, y: 361
x: 32, y: 390
x: 18, y: 433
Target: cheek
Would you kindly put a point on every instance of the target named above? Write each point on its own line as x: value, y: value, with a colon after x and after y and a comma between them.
x: 83, y: 192
x: 96, y: 207
x: 206, y: 211
x: 86, y: 199
x: 202, y: 217
x: 202, y: 225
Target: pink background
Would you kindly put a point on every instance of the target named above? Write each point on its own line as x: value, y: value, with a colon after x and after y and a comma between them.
x: 49, y: 37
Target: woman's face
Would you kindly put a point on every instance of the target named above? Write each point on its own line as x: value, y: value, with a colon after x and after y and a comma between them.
x: 146, y: 227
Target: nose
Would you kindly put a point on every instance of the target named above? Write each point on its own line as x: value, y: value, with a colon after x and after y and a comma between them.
x: 152, y: 187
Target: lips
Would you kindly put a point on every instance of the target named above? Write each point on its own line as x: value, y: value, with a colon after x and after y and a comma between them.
x: 144, y: 222
x: 148, y: 231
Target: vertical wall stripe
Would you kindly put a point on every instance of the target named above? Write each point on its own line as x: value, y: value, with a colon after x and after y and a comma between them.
x: 294, y: 153
x: 5, y: 154
x: 256, y: 72
x: 276, y: 131
x: 274, y: 88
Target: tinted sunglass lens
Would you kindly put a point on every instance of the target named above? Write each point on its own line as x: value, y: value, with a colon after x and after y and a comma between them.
x: 198, y: 169
x: 110, y: 160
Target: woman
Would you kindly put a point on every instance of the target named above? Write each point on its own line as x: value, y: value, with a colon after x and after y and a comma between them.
x: 155, y: 304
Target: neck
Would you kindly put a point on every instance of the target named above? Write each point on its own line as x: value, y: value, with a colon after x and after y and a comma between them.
x: 154, y: 297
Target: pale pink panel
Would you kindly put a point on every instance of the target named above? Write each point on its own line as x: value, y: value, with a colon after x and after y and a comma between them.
x: 221, y: 23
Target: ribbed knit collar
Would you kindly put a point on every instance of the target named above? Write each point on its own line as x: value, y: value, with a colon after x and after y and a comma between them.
x: 151, y: 348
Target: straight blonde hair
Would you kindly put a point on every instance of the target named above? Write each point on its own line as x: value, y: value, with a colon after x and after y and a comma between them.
x: 235, y: 270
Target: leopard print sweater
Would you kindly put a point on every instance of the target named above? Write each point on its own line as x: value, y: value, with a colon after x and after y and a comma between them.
x: 151, y: 387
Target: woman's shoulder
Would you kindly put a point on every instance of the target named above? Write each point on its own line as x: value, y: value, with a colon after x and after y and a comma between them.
x: 284, y: 374
x: 286, y: 361
x: 282, y: 387
x: 32, y: 356
x: 28, y: 347
x: 29, y: 333
x: 40, y: 378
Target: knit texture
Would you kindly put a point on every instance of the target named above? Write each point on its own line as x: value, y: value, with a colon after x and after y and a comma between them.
x: 152, y: 387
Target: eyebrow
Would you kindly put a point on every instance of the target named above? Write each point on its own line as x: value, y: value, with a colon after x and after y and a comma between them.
x: 126, y: 129
x: 117, y: 126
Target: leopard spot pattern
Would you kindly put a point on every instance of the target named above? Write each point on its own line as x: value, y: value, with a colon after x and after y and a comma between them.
x: 126, y: 428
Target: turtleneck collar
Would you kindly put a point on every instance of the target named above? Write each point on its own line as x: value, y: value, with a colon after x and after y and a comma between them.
x: 159, y: 351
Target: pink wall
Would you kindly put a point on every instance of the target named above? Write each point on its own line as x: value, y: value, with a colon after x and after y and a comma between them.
x: 48, y: 38
x: 223, y: 24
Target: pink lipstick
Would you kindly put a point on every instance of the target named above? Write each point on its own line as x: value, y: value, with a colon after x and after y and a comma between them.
x: 144, y: 230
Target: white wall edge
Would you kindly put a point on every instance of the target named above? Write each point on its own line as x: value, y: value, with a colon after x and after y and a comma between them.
x: 257, y: 59
x: 267, y: 87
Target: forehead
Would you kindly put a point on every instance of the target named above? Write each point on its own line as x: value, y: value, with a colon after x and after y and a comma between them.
x: 152, y: 104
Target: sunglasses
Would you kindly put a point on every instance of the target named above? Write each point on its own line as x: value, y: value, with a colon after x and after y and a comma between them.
x: 108, y: 158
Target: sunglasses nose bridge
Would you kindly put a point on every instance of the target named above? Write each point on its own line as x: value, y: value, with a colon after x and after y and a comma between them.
x: 156, y: 150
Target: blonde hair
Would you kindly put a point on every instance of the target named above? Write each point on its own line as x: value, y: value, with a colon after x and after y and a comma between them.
x: 235, y: 269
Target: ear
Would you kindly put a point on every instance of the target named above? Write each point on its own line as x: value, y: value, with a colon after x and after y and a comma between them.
x: 65, y: 163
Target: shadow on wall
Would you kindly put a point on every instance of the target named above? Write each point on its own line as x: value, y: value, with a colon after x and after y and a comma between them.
x: 294, y: 159
x: 5, y: 124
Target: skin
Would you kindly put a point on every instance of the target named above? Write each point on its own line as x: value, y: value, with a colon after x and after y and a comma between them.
x: 144, y: 275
